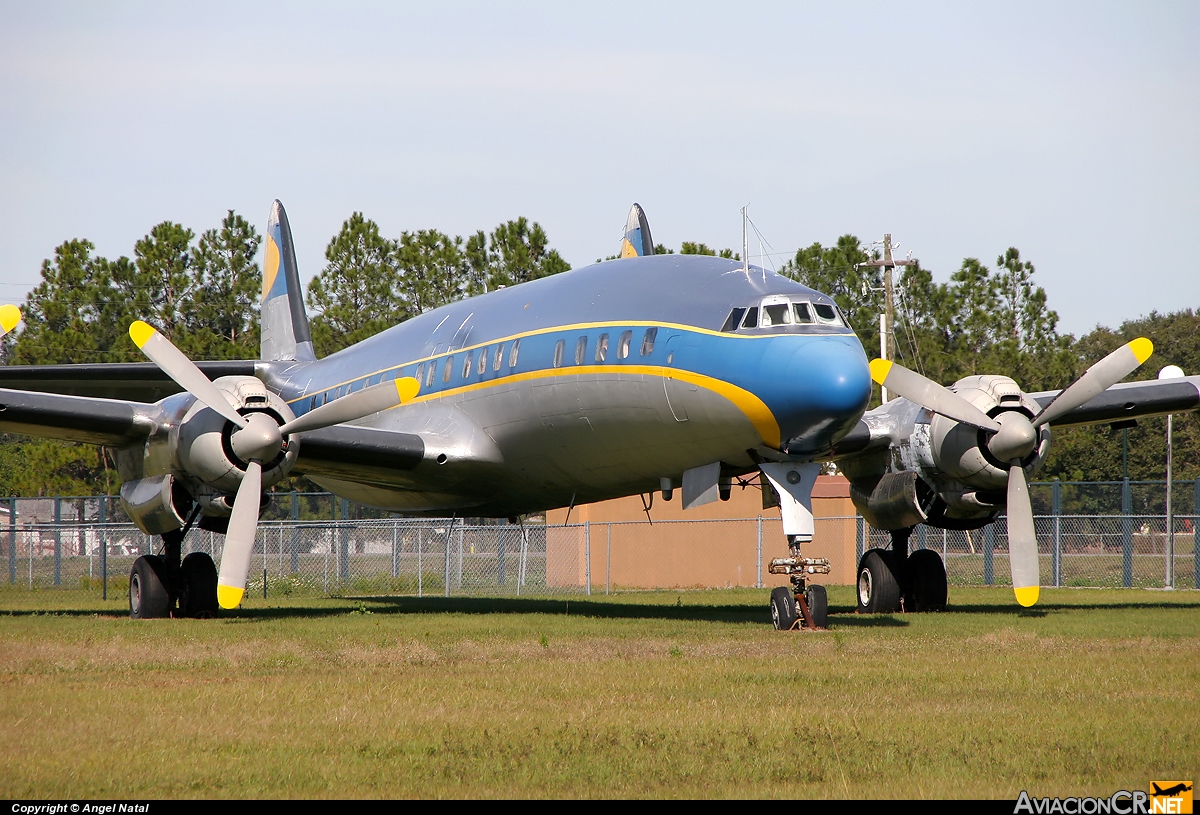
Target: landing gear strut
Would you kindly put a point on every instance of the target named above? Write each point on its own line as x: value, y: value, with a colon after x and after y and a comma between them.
x: 164, y: 586
x: 802, y: 606
x: 892, y: 580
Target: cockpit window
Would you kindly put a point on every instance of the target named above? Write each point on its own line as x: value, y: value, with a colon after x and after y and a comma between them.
x: 777, y: 314
x: 826, y: 313
x: 751, y: 320
x: 735, y: 317
x: 803, y: 313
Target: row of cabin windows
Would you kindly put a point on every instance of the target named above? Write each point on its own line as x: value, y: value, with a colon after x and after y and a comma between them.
x: 774, y: 314
x: 623, y: 345
x: 485, y: 355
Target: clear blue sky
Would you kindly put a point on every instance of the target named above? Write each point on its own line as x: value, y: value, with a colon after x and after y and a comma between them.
x: 1068, y: 130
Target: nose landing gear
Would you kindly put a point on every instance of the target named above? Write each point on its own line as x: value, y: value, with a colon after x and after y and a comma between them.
x: 801, y: 606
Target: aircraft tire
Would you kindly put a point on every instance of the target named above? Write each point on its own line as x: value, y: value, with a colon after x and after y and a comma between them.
x: 927, y: 575
x: 148, y: 597
x: 199, y: 586
x: 878, y: 591
x: 783, y: 608
x: 818, y: 605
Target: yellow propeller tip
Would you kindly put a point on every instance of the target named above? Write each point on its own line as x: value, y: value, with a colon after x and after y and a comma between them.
x: 880, y: 368
x: 407, y: 388
x: 9, y: 317
x: 141, y: 333
x: 1027, y: 595
x: 1142, y: 348
x: 229, y: 596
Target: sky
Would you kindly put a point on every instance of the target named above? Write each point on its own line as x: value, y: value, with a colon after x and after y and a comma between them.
x: 1068, y: 130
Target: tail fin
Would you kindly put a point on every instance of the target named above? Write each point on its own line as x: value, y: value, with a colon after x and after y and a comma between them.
x: 283, y: 320
x: 637, y: 241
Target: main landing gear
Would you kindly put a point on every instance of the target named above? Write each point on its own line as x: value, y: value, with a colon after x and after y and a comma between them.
x: 801, y: 606
x: 164, y: 586
x: 893, y: 580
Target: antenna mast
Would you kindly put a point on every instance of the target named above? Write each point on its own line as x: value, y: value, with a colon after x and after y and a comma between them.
x: 745, y: 244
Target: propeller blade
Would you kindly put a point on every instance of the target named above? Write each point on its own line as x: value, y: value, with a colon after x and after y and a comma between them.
x: 1022, y: 539
x: 239, y: 539
x: 929, y: 394
x: 1097, y: 379
x: 10, y: 316
x: 185, y: 373
x: 355, y: 406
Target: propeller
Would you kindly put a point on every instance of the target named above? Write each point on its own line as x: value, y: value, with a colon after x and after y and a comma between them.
x: 1015, y: 436
x: 258, y: 437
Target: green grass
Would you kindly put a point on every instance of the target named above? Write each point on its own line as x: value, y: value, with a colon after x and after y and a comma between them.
x: 638, y: 694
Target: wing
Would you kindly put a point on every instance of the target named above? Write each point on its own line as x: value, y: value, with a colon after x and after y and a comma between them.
x: 1131, y: 400
x: 114, y: 422
x: 137, y: 381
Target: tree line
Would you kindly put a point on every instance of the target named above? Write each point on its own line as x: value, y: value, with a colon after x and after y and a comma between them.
x: 203, y: 293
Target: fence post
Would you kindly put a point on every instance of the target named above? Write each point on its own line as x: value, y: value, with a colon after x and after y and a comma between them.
x: 420, y: 566
x: 446, y: 559
x: 104, y: 548
x: 1195, y: 535
x: 1056, y: 509
x: 587, y: 555
x: 1126, y: 534
x: 57, y: 541
x: 295, y: 532
x: 344, y: 547
x: 12, y: 540
x: 758, y: 561
x: 608, y: 562
x: 860, y: 542
x: 989, y: 541
x: 395, y: 547
x: 501, y: 566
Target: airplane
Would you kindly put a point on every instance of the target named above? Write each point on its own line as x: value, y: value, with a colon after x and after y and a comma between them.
x: 1170, y: 792
x: 642, y: 374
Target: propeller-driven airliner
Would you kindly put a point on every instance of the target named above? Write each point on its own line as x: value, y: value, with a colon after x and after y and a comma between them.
x: 643, y: 374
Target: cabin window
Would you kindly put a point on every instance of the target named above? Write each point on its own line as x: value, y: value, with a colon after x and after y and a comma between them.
x: 499, y: 357
x: 482, y: 360
x: 448, y: 369
x: 375, y: 380
x: 467, y: 365
x: 420, y: 372
x: 429, y: 376
x: 558, y: 352
x: 623, y: 345
x: 580, y: 350
x: 602, y: 348
x: 803, y: 312
x: 826, y: 314
x: 735, y: 317
x: 751, y: 320
x: 648, y: 341
x: 777, y: 314
x: 512, y: 356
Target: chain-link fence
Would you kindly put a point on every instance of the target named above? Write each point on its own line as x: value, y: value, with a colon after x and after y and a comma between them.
x: 79, y: 542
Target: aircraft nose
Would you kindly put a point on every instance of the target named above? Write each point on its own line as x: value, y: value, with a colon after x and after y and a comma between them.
x: 829, y: 388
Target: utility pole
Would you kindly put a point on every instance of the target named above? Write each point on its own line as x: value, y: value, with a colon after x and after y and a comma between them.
x: 887, y: 320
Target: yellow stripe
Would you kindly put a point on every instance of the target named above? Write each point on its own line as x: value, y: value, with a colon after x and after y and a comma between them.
x: 1027, y: 595
x: 141, y: 333
x: 754, y: 408
x: 270, y: 265
x: 229, y: 596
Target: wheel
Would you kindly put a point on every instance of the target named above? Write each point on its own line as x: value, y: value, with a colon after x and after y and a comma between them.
x: 927, y: 582
x: 878, y: 590
x: 783, y: 608
x: 199, y: 590
x: 148, y: 597
x: 818, y: 605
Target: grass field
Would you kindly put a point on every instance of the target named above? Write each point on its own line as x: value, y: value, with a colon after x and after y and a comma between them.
x: 640, y: 694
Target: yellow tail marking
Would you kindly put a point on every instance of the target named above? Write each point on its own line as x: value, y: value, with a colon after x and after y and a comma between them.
x: 1142, y: 348
x: 880, y: 368
x: 141, y: 333
x: 229, y: 596
x: 1027, y: 595
x: 270, y: 266
x: 9, y: 317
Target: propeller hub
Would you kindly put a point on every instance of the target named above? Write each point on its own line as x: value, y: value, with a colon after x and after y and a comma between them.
x: 1016, y: 438
x: 259, y: 440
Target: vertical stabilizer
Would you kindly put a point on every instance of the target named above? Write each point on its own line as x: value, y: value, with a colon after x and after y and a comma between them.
x: 284, y: 323
x: 637, y: 241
